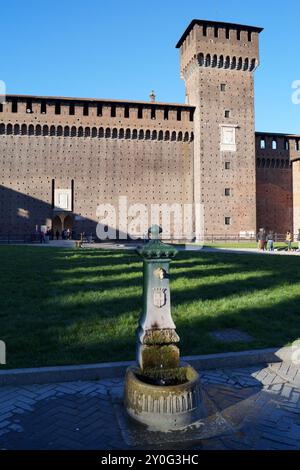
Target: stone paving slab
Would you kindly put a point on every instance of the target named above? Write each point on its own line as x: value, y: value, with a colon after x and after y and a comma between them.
x: 260, y: 405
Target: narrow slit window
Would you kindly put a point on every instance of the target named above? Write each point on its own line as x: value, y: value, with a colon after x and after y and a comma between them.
x: 99, y: 109
x: 57, y: 107
x: 166, y: 113
x: 227, y: 221
x: 178, y: 114
x: 52, y: 192
x: 29, y: 106
x: 126, y: 111
x: 72, y: 195
x: 274, y: 144
x: 140, y: 112
x: 43, y: 107
x: 14, y: 106
x: 227, y: 192
x: 227, y: 113
x: 227, y: 165
x: 153, y: 112
x: 262, y: 144
x: 86, y: 109
x: 113, y: 110
x: 223, y: 87
x: 72, y: 109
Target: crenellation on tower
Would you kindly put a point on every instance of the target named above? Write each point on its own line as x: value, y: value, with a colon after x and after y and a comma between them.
x: 220, y: 45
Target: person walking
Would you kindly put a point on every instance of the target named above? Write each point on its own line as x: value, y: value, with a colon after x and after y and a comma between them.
x: 57, y: 234
x: 289, y: 239
x: 261, y: 239
x: 298, y: 240
x: 270, y: 241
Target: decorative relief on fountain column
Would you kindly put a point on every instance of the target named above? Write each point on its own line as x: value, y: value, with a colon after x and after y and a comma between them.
x: 159, y: 296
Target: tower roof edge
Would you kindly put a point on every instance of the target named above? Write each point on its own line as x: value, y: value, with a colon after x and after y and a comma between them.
x: 218, y: 24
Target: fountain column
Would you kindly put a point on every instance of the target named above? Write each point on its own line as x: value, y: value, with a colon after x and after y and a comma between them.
x: 160, y: 392
x: 157, y: 350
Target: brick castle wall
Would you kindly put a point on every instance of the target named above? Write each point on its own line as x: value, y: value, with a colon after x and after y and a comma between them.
x: 147, y: 156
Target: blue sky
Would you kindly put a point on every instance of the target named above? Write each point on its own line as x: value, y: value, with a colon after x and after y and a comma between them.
x: 123, y: 49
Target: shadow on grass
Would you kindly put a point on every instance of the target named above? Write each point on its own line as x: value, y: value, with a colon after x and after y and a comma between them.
x: 53, y: 313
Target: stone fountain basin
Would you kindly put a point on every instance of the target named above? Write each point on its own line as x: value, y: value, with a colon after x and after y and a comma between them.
x: 164, y: 407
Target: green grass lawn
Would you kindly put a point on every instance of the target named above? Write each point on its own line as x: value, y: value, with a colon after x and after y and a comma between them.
x: 63, y: 306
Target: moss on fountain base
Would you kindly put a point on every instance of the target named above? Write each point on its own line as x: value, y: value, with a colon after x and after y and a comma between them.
x: 159, y: 356
x: 164, y: 407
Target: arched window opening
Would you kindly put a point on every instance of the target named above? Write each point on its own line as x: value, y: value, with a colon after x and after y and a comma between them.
x: 201, y: 59
x: 16, y: 129
x: 246, y: 64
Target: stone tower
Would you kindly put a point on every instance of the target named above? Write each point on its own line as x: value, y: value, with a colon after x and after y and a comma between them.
x: 217, y: 62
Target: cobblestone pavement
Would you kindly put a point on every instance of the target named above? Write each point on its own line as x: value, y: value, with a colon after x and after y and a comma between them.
x: 262, y: 403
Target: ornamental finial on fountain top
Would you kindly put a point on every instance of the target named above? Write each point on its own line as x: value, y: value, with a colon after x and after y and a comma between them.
x: 155, y: 248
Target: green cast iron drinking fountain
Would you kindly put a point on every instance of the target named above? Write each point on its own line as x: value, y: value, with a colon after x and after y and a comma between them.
x: 160, y: 391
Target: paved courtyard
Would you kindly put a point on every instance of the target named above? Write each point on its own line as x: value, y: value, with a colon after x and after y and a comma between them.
x: 261, y: 406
